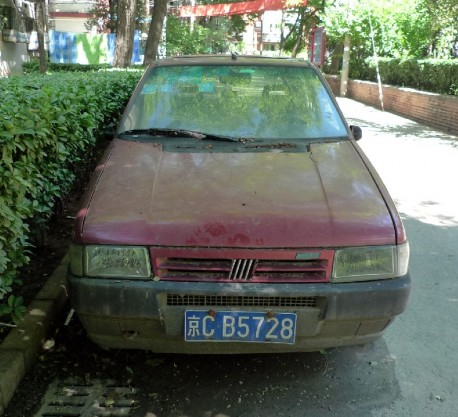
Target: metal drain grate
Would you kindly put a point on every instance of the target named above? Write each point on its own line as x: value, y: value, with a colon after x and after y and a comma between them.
x: 95, y: 398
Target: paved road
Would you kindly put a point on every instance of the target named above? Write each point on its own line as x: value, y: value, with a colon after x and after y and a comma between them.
x: 411, y: 371
x: 420, y: 169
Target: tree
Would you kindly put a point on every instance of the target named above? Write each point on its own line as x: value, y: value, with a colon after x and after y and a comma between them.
x: 101, y: 18
x: 222, y: 33
x: 125, y: 33
x: 443, y: 16
x: 400, y: 28
x: 181, y: 40
x: 104, y: 17
x: 41, y: 30
x: 308, y: 17
x: 155, y: 31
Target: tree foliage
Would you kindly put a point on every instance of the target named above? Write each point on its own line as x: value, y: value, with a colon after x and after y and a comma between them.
x: 296, y: 37
x: 104, y: 16
x: 221, y: 33
x: 181, y: 40
x: 401, y: 29
x: 207, y: 35
x: 443, y: 15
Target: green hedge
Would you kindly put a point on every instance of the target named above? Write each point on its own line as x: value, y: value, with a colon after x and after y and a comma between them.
x: 33, y: 66
x: 47, y: 124
x: 437, y: 76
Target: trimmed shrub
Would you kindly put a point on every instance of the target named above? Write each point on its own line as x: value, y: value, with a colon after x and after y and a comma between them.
x: 437, y: 76
x: 33, y: 66
x: 47, y: 124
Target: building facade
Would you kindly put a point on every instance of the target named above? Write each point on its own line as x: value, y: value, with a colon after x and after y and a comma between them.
x: 70, y: 15
x: 17, y: 22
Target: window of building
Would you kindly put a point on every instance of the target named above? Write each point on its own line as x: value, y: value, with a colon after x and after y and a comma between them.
x: 6, y: 17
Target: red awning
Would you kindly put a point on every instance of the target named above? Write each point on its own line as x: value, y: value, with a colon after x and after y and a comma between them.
x: 245, y: 7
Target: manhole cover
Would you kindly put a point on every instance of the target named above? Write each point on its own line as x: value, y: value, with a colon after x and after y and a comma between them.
x: 94, y: 398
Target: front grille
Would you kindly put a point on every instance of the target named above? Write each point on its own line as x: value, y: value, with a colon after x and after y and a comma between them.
x: 170, y: 265
x: 238, y: 301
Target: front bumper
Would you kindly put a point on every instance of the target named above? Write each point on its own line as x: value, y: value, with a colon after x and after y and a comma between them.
x: 132, y: 314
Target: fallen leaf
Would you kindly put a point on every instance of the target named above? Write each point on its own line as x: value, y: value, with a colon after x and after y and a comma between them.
x: 109, y: 402
x: 49, y: 344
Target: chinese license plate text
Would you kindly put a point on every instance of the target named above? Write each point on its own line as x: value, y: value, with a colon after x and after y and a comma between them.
x: 237, y: 326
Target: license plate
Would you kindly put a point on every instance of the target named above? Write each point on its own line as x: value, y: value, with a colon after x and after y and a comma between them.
x: 238, y: 326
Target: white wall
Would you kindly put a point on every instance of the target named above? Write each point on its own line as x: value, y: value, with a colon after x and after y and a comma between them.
x: 70, y: 24
x: 12, y: 55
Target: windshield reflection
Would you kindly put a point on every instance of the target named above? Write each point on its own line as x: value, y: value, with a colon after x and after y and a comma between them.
x: 258, y: 102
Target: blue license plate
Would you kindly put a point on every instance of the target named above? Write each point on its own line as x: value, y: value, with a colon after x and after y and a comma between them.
x: 240, y: 326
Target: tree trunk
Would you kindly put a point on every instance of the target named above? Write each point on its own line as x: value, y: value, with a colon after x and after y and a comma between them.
x: 299, y: 40
x: 41, y: 29
x: 282, y: 32
x: 125, y: 33
x: 155, y: 31
x: 336, y: 58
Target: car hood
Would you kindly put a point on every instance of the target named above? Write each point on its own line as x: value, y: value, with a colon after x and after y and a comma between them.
x: 327, y: 197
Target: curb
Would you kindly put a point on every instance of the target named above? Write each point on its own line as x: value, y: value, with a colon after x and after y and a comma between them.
x: 20, y: 348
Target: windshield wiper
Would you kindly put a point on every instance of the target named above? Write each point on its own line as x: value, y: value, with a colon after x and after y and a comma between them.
x: 179, y: 133
x: 173, y: 133
x: 210, y: 136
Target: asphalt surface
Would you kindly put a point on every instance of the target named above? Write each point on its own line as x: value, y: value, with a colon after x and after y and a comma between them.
x: 419, y: 166
x: 411, y: 371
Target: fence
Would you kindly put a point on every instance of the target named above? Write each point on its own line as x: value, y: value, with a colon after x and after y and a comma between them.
x: 85, y: 48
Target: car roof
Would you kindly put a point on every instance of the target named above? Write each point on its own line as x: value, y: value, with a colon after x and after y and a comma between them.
x: 232, y: 59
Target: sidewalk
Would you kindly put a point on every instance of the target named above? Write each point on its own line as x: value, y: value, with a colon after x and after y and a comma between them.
x: 413, y: 149
x: 20, y: 348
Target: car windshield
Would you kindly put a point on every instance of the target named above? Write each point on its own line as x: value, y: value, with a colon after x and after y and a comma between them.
x: 249, y: 102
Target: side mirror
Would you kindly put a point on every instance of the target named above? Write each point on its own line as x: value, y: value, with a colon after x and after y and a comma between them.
x: 356, y: 131
x: 108, y: 132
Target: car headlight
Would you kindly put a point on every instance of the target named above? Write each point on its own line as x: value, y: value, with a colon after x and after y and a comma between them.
x: 110, y: 261
x: 370, y: 263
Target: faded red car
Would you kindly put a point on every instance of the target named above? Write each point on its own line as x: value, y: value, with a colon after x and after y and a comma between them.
x: 234, y: 212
